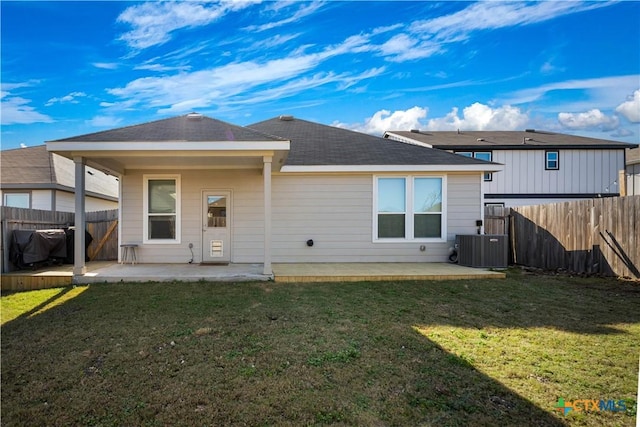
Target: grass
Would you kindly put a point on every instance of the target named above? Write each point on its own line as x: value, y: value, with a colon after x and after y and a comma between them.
x: 482, y: 352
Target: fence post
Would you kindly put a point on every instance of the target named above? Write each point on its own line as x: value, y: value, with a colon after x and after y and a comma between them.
x: 5, y: 246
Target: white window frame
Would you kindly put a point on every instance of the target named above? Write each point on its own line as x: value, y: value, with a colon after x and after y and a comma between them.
x: 487, y: 176
x: 409, y: 211
x: 14, y: 193
x: 145, y: 210
x: 546, y: 160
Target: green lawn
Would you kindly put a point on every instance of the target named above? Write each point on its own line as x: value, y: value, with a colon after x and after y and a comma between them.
x: 483, y: 352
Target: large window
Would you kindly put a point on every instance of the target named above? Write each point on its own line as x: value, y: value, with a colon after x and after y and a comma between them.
x: 161, y: 209
x: 17, y: 200
x: 480, y: 155
x: 409, y: 208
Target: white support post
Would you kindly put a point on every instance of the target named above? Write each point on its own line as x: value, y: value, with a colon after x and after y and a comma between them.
x: 266, y: 175
x: 79, y: 268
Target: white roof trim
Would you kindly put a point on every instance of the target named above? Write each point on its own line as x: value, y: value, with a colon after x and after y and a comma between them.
x: 167, y: 146
x: 492, y: 167
x: 399, y: 138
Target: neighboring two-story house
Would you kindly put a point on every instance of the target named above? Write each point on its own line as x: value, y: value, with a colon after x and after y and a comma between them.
x: 35, y: 178
x: 632, y: 172
x: 540, y: 167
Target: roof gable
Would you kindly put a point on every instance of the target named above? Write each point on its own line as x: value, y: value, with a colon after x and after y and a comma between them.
x: 314, y: 144
x: 191, y: 127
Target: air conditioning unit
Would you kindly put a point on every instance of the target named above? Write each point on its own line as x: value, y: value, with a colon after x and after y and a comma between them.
x: 483, y: 250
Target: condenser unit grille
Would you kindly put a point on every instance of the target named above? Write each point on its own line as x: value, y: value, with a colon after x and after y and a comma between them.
x: 483, y: 250
x: 217, y: 250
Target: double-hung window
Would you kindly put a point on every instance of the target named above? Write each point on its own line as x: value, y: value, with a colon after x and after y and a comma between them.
x: 409, y: 208
x: 552, y: 160
x: 161, y: 209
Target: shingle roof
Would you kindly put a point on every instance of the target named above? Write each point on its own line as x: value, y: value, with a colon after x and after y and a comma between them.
x: 188, y: 128
x: 508, y: 140
x: 633, y: 156
x: 32, y: 165
x: 35, y: 167
x: 317, y: 144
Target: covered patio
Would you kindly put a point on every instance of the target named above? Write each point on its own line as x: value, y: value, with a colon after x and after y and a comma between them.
x: 112, y: 272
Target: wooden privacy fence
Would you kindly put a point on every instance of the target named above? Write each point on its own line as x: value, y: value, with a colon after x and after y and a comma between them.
x: 598, y: 236
x: 102, y: 225
x: 496, y: 220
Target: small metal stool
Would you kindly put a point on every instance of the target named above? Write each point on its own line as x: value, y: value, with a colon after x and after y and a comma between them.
x: 129, y: 253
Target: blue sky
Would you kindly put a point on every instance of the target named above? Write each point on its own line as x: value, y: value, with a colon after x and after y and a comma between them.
x: 70, y: 68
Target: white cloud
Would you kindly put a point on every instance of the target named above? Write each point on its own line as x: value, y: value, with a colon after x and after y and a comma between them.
x: 489, y: 15
x: 474, y: 117
x: 104, y: 121
x: 402, y: 47
x: 229, y: 83
x: 631, y: 108
x: 425, y: 38
x: 481, y: 117
x: 271, y: 42
x: 384, y: 120
x: 622, y: 133
x: 592, y: 119
x: 550, y: 68
x: 307, y: 9
x: 23, y: 145
x: 160, y: 68
x: 71, y: 98
x: 106, y: 65
x: 16, y: 110
x: 606, y: 89
x: 153, y: 22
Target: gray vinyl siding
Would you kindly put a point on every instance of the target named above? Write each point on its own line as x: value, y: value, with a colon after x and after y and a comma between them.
x: 95, y: 181
x: 247, y: 235
x: 41, y: 199
x: 581, y: 171
x: 66, y: 202
x: 336, y: 211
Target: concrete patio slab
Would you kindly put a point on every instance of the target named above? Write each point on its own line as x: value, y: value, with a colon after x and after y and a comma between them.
x: 111, y: 272
x: 173, y: 272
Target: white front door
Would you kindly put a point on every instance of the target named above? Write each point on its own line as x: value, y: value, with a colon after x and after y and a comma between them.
x: 216, y: 234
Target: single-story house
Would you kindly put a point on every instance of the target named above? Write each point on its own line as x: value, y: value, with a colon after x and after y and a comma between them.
x: 35, y: 178
x: 539, y: 166
x: 283, y: 190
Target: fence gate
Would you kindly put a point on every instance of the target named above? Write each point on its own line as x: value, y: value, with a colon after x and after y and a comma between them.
x: 496, y: 220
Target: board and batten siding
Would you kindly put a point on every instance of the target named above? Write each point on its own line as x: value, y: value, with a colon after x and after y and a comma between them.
x: 633, y: 179
x: 336, y: 211
x: 581, y: 172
